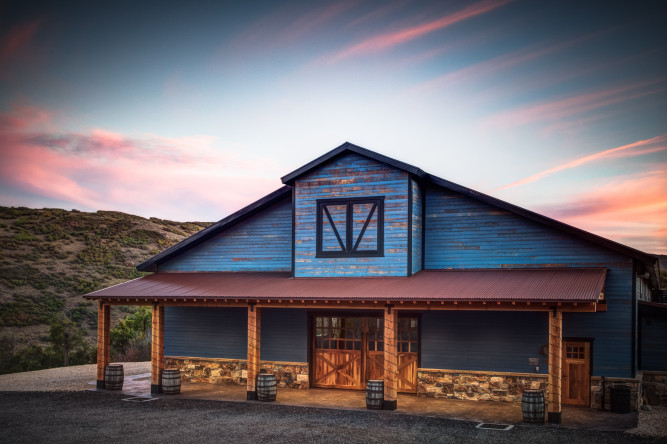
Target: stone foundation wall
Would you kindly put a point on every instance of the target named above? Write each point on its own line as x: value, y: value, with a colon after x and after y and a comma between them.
x: 477, y: 385
x: 654, y: 387
x: 596, y: 391
x: 235, y: 371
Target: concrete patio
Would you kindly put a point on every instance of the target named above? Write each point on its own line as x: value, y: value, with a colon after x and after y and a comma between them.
x: 476, y: 411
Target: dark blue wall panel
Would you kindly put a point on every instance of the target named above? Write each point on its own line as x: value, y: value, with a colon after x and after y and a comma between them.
x: 261, y: 243
x: 284, y: 335
x: 222, y: 333
x: 484, y: 341
x: 352, y: 175
x: 654, y: 343
x: 205, y: 332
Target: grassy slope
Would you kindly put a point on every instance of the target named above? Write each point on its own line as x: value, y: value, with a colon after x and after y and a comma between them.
x: 50, y: 257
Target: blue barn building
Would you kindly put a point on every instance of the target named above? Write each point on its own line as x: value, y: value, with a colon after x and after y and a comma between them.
x: 364, y: 267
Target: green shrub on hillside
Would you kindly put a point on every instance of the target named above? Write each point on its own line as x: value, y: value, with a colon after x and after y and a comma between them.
x: 30, y: 310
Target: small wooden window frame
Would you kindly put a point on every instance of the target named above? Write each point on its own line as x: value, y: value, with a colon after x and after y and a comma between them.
x: 350, y: 247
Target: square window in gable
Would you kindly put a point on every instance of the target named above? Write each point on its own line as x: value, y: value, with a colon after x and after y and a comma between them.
x: 350, y: 227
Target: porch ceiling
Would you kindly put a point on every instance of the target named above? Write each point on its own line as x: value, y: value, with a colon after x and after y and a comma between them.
x: 565, y: 285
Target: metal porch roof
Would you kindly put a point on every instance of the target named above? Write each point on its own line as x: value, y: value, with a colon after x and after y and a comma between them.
x: 538, y: 285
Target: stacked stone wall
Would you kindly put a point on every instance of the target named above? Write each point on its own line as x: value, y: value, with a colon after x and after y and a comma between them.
x: 596, y: 391
x: 654, y: 386
x: 235, y: 371
x: 477, y: 385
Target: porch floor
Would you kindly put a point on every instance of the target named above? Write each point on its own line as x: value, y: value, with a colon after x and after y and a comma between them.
x: 477, y: 411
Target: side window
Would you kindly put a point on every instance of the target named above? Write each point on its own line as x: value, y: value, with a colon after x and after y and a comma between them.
x: 350, y: 227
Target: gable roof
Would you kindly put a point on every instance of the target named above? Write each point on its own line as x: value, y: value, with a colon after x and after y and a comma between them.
x: 348, y: 147
x: 210, y: 231
x: 151, y: 264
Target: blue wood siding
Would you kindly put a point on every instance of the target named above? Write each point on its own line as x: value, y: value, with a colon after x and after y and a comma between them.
x: 284, y: 335
x: 483, y: 341
x: 462, y: 232
x: 352, y: 175
x: 417, y: 225
x: 263, y: 242
x: 653, y: 343
x: 204, y: 332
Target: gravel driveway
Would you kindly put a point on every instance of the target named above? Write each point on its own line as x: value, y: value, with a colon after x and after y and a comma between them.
x: 65, y: 412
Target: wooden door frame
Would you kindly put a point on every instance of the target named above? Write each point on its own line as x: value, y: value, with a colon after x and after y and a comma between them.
x: 590, y: 342
x: 310, y: 326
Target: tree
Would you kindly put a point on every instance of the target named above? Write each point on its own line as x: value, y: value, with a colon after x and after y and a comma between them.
x: 64, y: 337
x: 130, y: 339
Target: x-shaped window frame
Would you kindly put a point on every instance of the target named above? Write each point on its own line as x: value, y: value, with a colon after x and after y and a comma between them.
x: 350, y: 247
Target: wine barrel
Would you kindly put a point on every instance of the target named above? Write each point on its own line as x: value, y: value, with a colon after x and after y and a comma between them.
x: 171, y: 381
x: 532, y: 405
x: 374, y: 394
x: 113, y: 377
x: 266, y: 387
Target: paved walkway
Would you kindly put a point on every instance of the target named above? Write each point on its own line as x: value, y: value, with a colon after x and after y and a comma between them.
x: 477, y: 411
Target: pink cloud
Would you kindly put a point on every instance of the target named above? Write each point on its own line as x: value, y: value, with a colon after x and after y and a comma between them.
x: 613, y: 152
x: 177, y: 178
x: 572, y: 106
x: 631, y: 210
x: 391, y: 39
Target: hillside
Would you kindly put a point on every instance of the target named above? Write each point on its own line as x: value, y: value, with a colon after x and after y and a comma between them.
x: 50, y: 257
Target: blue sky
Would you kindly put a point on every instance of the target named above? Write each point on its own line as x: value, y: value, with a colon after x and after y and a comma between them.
x: 191, y: 111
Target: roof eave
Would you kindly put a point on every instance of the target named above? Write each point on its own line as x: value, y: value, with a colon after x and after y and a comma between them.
x: 352, y: 148
x: 271, y: 198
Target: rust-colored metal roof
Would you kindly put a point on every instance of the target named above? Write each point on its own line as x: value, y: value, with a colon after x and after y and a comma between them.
x: 539, y: 285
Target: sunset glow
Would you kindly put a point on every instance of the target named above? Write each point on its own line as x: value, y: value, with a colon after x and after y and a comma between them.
x: 190, y: 112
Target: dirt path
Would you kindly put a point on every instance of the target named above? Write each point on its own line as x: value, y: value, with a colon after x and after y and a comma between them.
x: 62, y: 379
x: 59, y: 407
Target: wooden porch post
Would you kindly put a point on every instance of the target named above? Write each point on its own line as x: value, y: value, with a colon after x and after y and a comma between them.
x: 555, y: 370
x: 103, y: 344
x: 390, y: 358
x: 254, y: 335
x: 157, y: 348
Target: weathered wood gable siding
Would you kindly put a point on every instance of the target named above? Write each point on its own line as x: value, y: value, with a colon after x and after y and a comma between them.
x: 352, y: 175
x: 417, y: 225
x: 200, y: 332
x: 462, y: 232
x: 261, y: 243
x: 484, y: 341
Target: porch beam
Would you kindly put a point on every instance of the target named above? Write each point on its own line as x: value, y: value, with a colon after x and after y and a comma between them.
x: 103, y: 342
x: 157, y: 348
x: 390, y: 358
x: 254, y: 336
x: 555, y: 365
x: 586, y: 307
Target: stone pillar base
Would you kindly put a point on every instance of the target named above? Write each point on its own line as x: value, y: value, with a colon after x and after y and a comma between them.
x: 156, y: 389
x: 100, y: 384
x: 251, y: 395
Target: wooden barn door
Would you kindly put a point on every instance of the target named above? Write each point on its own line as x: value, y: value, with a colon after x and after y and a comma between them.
x: 576, y: 372
x: 348, y: 351
x: 337, y: 356
x: 408, y: 354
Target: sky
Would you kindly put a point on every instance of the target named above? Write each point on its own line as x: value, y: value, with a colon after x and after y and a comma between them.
x: 192, y: 110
